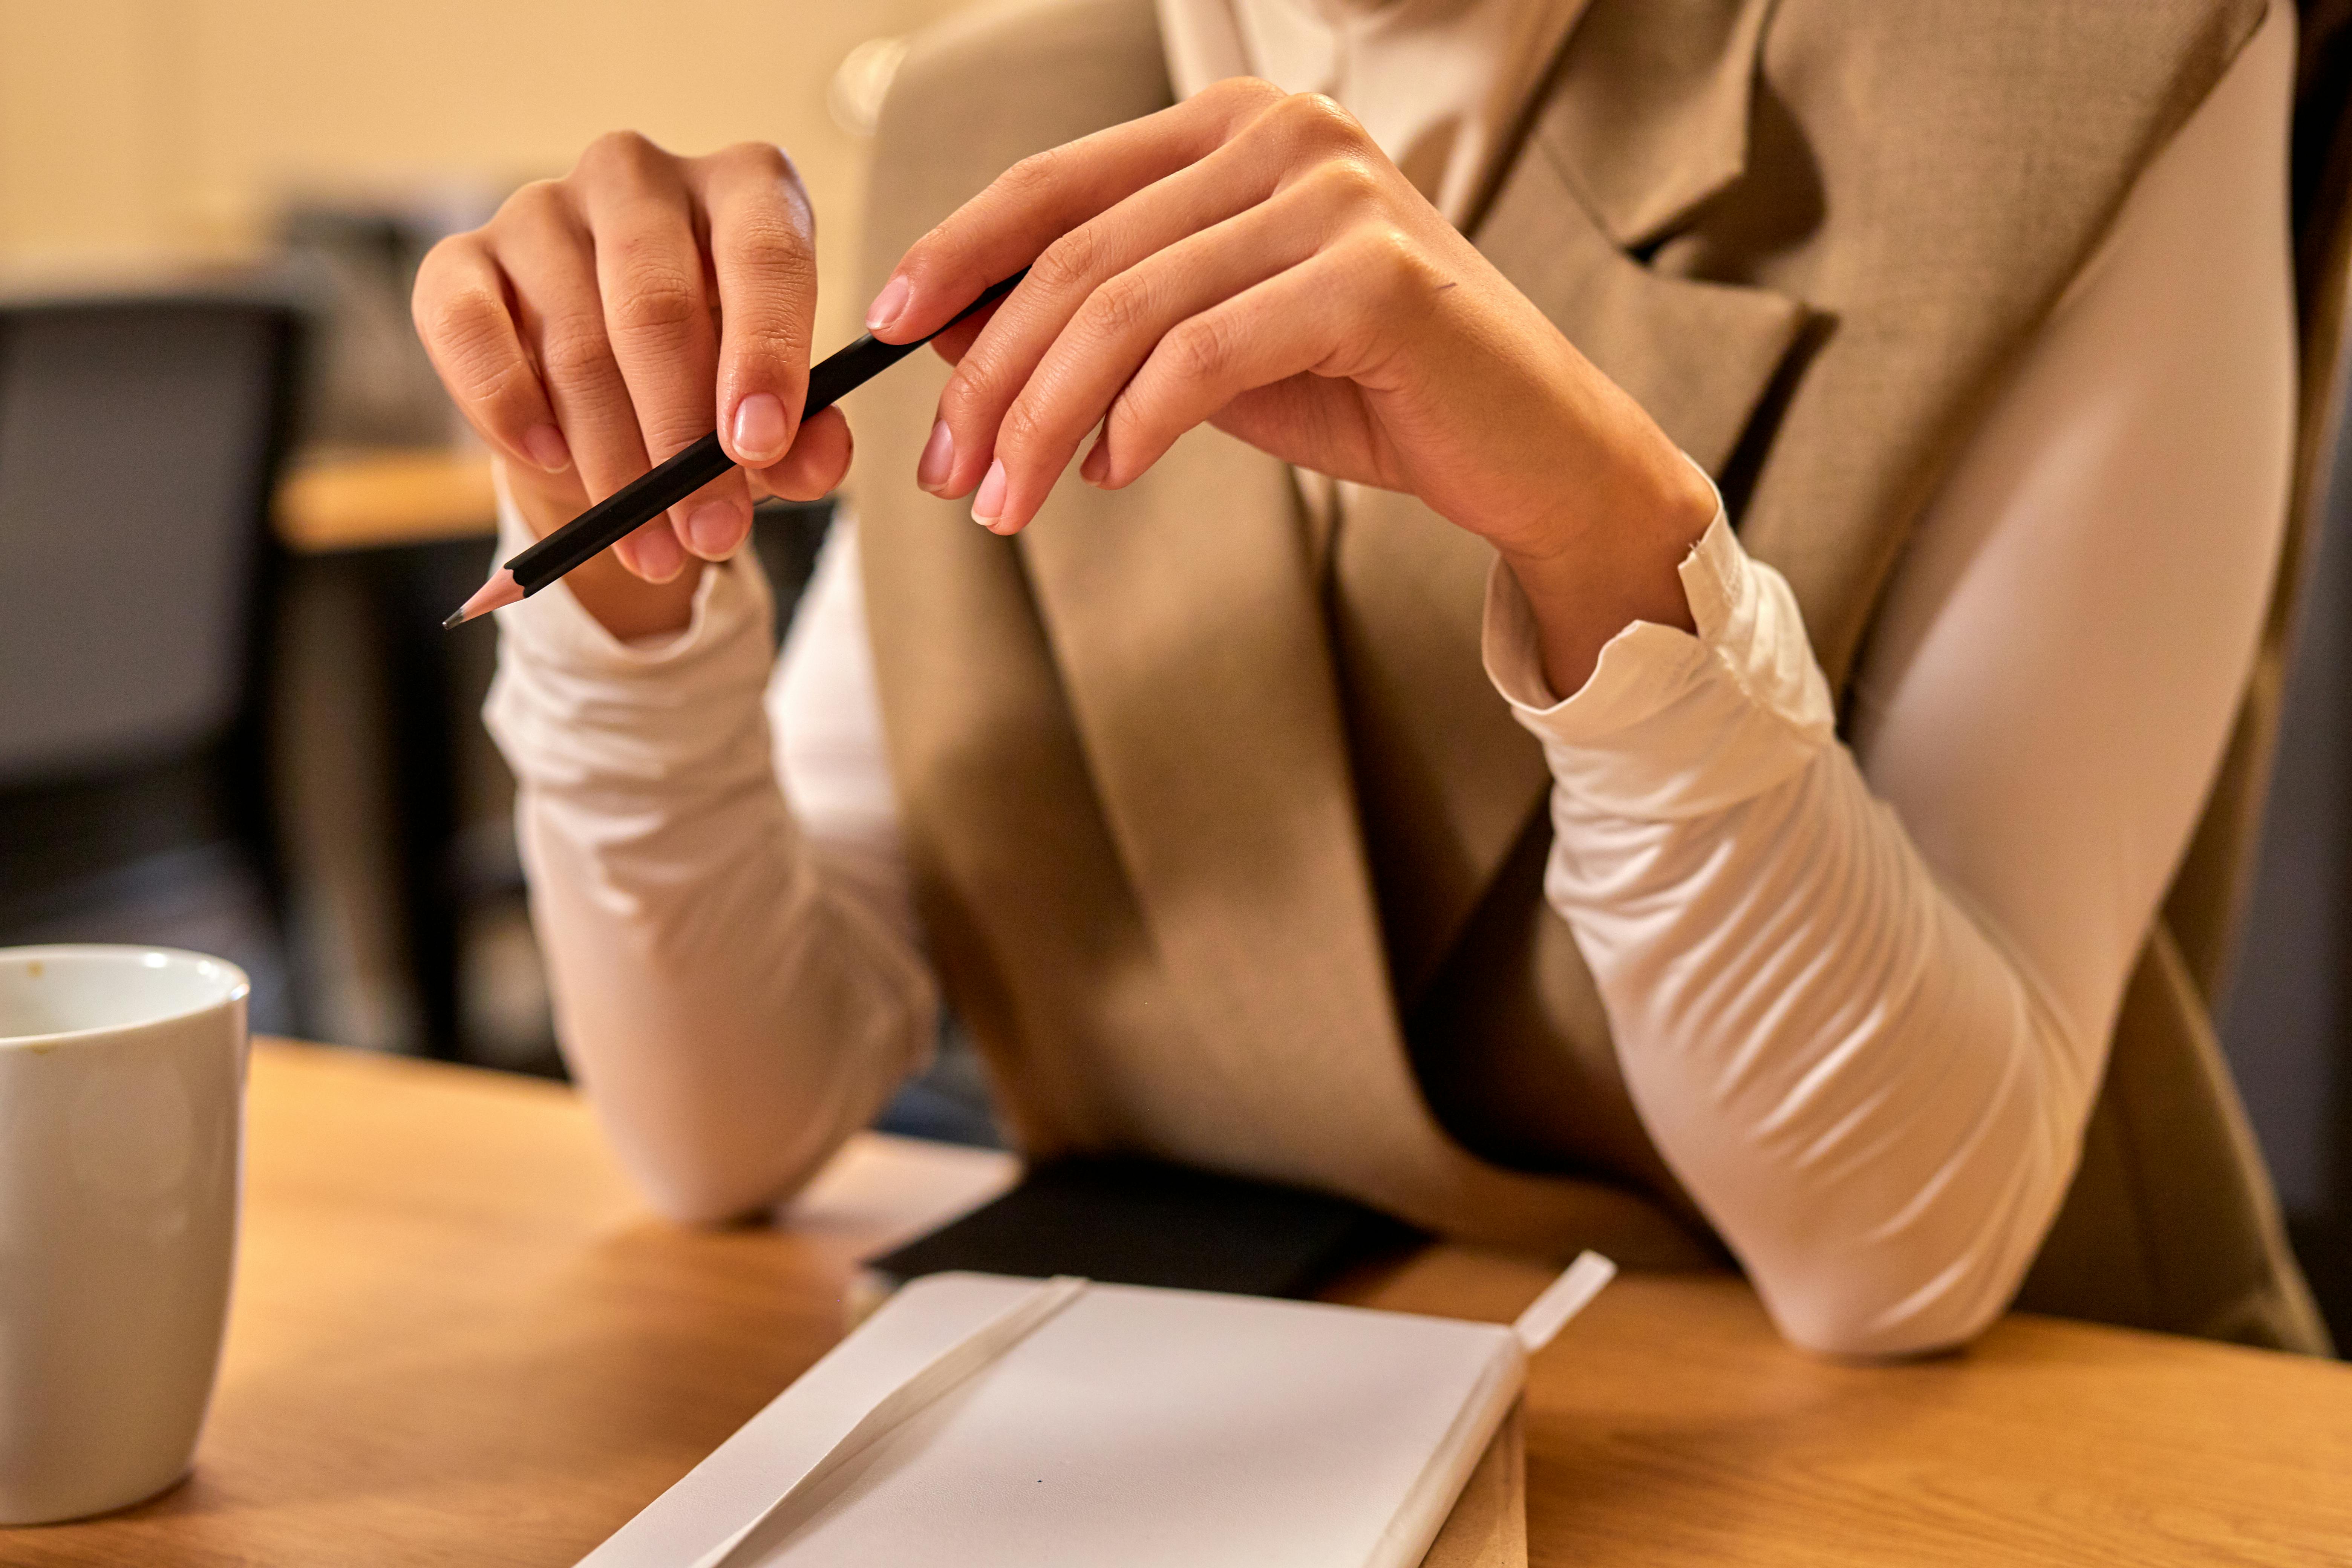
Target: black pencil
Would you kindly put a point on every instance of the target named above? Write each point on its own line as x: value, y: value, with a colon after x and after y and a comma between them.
x: 641, y: 501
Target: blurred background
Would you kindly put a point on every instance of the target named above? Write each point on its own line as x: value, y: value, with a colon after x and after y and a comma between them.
x: 234, y: 507
x: 133, y: 132
x: 219, y: 205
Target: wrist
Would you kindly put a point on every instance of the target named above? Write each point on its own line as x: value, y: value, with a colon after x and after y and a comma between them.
x: 1617, y: 562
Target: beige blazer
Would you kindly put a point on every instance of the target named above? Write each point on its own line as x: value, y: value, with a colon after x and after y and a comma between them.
x: 1226, y: 848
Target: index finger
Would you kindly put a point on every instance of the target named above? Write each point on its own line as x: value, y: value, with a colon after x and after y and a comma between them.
x: 763, y: 260
x: 1044, y: 196
x: 469, y: 333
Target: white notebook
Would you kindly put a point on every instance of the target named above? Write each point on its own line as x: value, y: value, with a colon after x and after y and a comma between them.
x: 986, y: 1421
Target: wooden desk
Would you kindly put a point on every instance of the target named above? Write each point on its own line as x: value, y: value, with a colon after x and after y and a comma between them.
x: 365, y: 499
x: 457, y: 1338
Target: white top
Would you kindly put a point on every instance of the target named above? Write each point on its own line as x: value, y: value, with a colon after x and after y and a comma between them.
x: 1861, y: 993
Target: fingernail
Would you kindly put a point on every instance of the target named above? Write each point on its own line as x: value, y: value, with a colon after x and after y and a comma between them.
x: 989, y: 504
x: 713, y: 529
x: 939, y: 457
x: 547, y: 448
x: 658, y: 555
x: 760, y: 427
x: 1097, y: 463
x: 887, y: 304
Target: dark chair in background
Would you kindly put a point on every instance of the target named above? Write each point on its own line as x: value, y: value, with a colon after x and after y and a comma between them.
x: 140, y: 442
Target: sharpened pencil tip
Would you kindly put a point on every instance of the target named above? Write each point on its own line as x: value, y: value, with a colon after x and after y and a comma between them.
x: 497, y: 594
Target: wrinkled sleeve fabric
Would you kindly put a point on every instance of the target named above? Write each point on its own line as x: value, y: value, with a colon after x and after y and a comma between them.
x: 1862, y: 993
x: 738, y: 994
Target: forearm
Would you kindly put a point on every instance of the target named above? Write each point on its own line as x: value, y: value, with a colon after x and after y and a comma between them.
x: 1863, y: 1092
x: 732, y: 1019
x: 1860, y: 1087
x: 1875, y: 1077
x: 731, y: 1015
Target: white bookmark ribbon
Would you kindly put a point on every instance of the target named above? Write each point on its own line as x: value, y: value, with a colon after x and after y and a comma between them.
x: 941, y: 1373
x: 1562, y: 1300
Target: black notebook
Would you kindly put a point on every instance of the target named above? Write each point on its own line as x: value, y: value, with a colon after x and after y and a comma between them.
x: 1140, y: 1221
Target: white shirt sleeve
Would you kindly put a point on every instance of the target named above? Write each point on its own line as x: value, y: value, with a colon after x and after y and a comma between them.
x: 737, y: 995
x: 1862, y: 997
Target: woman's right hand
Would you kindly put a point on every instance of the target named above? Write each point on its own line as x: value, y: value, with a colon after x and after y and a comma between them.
x: 601, y: 322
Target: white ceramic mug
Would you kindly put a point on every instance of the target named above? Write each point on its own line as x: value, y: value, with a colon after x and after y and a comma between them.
x: 122, y: 1124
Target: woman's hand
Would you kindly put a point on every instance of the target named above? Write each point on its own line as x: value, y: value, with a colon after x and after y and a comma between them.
x: 1252, y: 259
x: 603, y: 321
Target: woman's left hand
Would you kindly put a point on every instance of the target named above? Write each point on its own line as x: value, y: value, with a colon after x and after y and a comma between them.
x: 1252, y: 259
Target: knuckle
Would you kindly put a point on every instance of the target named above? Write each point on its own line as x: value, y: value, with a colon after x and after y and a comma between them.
x: 654, y: 299
x: 1247, y: 94
x: 434, y: 281
x: 770, y: 249
x: 1316, y: 120
x: 768, y: 172
x: 1347, y: 182
x: 762, y: 327
x: 539, y: 203
x: 504, y: 392
x: 576, y: 352
x: 1393, y: 267
x: 764, y: 159
x: 461, y: 324
x: 1120, y: 307
x: 1070, y: 261
x: 1023, y: 430
x: 761, y: 342
x: 617, y: 154
x: 918, y: 262
x: 468, y: 337
x: 1199, y: 350
x: 1401, y: 254
x: 1028, y: 176
x: 967, y: 394
x: 1129, y: 422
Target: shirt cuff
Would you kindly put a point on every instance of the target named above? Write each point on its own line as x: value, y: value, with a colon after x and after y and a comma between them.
x: 1669, y: 725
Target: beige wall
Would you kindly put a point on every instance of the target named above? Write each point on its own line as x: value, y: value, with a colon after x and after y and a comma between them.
x: 134, y: 131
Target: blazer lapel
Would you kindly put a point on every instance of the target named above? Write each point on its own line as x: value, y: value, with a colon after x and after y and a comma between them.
x: 1648, y: 122
x: 1189, y: 620
x: 1448, y: 778
x: 1184, y: 617
x: 1699, y: 356
x: 1222, y: 752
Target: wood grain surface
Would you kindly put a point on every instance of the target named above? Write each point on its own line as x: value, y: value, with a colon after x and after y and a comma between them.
x: 1670, y: 1426
x: 457, y: 1338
